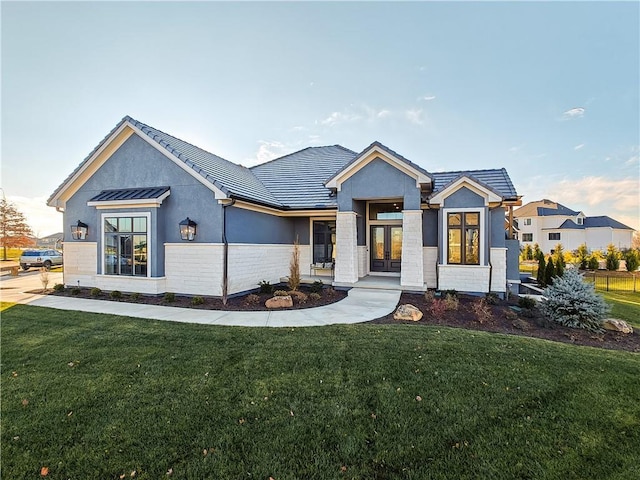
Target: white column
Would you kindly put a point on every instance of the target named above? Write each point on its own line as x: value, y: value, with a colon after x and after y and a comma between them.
x: 412, y: 267
x: 346, y: 248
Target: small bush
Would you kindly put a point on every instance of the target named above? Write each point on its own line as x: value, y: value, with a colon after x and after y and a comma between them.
x: 314, y: 296
x: 299, y: 297
x: 252, y: 299
x: 294, y: 267
x: 280, y: 293
x: 492, y: 299
x: 58, y: 287
x: 330, y: 292
x: 451, y: 293
x: 482, y: 310
x: 75, y: 291
x: 438, y: 308
x: 612, y: 258
x: 593, y: 263
x: 135, y: 296
x: 317, y: 286
x: 451, y: 302
x: 265, y: 287
x: 574, y: 303
x: 527, y: 303
x: 429, y: 296
x: 631, y: 258
x: 116, y: 294
x: 510, y: 315
x: 197, y: 301
x: 95, y: 292
x: 169, y: 297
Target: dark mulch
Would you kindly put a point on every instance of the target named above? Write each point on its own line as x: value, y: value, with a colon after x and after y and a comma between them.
x: 237, y: 303
x: 525, y: 322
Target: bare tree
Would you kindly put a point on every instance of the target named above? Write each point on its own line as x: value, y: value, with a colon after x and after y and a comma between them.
x: 14, y: 230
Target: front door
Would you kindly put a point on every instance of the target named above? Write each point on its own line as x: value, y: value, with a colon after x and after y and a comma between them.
x: 386, y: 248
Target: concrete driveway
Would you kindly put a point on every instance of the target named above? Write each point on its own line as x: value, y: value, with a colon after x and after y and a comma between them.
x: 15, y: 289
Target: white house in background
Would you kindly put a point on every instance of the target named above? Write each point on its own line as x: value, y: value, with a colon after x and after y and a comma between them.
x: 549, y: 223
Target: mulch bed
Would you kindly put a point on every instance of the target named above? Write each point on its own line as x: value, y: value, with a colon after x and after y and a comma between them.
x: 525, y: 323
x: 236, y: 303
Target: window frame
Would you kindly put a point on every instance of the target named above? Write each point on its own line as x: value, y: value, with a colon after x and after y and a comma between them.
x: 329, y: 236
x: 103, y: 233
x: 481, y: 236
x: 529, y: 235
x: 527, y: 221
x: 554, y: 239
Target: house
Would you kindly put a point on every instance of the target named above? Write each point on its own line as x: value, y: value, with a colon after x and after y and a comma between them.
x: 549, y: 223
x: 150, y: 213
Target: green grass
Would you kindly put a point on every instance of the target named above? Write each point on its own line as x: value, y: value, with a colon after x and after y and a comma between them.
x: 624, y: 305
x: 111, y: 395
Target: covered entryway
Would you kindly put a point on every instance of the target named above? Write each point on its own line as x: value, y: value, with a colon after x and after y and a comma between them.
x: 386, y: 248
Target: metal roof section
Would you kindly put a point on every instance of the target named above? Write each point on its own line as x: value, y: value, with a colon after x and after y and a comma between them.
x: 130, y: 194
x: 495, y: 179
x: 604, y: 221
x: 544, y: 207
x: 297, y: 180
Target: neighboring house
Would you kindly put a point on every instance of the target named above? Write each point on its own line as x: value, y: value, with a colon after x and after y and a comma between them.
x: 549, y: 223
x: 367, y: 213
x: 51, y: 241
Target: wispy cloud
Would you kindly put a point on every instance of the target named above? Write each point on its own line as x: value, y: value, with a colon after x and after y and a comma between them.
x: 426, y: 98
x: 414, y: 115
x: 268, y: 150
x: 575, y: 112
x: 578, y: 147
x: 339, y: 117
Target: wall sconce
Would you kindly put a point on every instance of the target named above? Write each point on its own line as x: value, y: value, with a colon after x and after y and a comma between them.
x: 187, y: 229
x: 79, y: 231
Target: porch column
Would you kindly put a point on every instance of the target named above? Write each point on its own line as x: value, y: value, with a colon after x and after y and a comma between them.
x: 346, y: 248
x: 412, y: 267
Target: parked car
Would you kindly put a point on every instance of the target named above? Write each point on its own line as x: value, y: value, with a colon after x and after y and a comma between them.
x: 40, y: 258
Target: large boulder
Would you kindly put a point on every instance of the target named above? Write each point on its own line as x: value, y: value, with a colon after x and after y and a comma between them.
x: 407, y: 312
x: 284, y: 301
x: 617, y: 325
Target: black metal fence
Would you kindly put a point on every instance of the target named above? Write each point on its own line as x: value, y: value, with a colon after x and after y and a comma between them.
x: 614, y: 283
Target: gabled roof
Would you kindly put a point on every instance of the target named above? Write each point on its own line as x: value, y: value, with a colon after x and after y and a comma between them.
x: 544, y: 208
x: 490, y: 194
x: 604, y: 221
x: 496, y: 179
x: 378, y: 150
x: 297, y: 180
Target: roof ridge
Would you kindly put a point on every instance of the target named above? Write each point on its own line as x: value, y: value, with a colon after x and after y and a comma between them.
x: 299, y: 151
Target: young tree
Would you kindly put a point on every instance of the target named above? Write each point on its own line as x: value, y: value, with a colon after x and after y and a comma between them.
x: 593, y: 263
x: 541, y: 271
x: 549, y: 272
x: 536, y: 251
x: 559, y: 260
x: 582, y: 254
x: 14, y: 230
x: 527, y: 254
x: 613, y: 257
x: 632, y: 260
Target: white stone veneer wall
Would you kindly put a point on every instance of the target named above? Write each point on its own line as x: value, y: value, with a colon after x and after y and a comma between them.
x: 363, y: 260
x: 430, y: 259
x: 193, y: 268
x: 498, y: 258
x: 464, y: 278
x: 346, y: 248
x: 412, y: 262
x: 80, y: 260
x: 252, y: 263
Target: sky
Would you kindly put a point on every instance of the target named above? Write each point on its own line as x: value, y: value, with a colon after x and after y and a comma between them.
x: 547, y: 90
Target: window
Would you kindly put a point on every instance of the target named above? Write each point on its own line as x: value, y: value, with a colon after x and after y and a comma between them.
x: 463, y: 244
x: 125, y: 246
x: 554, y: 236
x: 527, y: 237
x: 324, y: 239
x: 385, y: 211
x: 527, y: 221
x: 580, y: 220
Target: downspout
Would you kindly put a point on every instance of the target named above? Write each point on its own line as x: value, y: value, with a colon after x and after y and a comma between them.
x: 225, y: 252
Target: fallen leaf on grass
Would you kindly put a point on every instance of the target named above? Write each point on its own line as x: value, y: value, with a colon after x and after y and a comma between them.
x: 418, y: 398
x: 25, y: 402
x: 170, y: 472
x: 44, y: 471
x: 14, y: 374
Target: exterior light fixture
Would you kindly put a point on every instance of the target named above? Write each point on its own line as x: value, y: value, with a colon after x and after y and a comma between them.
x: 187, y: 229
x: 79, y: 231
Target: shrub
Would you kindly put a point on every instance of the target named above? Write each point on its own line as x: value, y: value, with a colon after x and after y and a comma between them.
x: 549, y: 272
x: 330, y: 292
x: 492, y: 299
x: 482, y: 310
x: 299, y: 297
x: 527, y: 303
x: 451, y: 293
x: 265, y: 287
x: 612, y: 258
x: 438, y: 308
x: 429, y: 296
x: 510, y: 315
x: 314, y: 296
x: 95, y: 292
x: 582, y: 254
x: 451, y: 302
x: 574, y: 303
x: 541, y: 270
x: 197, y: 301
x: 280, y: 293
x: 593, y: 263
x: 294, y: 267
x: 631, y: 258
x: 75, y: 291
x: 58, y: 287
x: 169, y: 297
x: 116, y: 294
x: 135, y: 296
x: 252, y: 299
x: 317, y: 286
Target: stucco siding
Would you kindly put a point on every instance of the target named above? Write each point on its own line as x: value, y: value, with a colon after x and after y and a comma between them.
x: 463, y: 198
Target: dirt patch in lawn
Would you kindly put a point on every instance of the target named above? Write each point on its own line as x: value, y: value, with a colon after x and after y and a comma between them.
x: 505, y: 317
x: 249, y: 302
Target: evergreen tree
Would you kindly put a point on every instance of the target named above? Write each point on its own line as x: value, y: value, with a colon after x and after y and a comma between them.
x: 593, y: 263
x: 527, y: 254
x: 582, y: 254
x: 574, y: 303
x: 536, y: 251
x: 549, y: 272
x: 612, y: 258
x: 632, y: 260
x: 541, y: 271
x: 560, y: 264
x: 14, y: 230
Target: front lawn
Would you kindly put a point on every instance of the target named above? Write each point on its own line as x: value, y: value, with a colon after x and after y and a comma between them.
x: 97, y: 396
x: 624, y: 305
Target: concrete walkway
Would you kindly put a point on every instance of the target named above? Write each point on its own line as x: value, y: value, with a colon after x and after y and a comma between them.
x: 361, y: 305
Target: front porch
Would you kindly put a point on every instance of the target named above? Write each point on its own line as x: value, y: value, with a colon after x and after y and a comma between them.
x: 369, y: 281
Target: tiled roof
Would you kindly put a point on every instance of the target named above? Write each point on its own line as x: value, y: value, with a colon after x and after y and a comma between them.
x: 604, y: 221
x: 297, y: 180
x: 496, y: 179
x: 130, y: 194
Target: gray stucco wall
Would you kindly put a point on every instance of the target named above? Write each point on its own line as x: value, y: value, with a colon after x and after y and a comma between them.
x: 497, y: 227
x: 377, y: 180
x: 136, y: 164
x: 430, y: 228
x: 513, y: 259
x: 247, y: 226
x: 463, y: 198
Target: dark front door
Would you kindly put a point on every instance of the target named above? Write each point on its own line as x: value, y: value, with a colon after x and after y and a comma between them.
x: 386, y: 248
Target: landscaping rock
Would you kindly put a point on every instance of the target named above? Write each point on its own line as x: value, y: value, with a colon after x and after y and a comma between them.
x: 521, y: 324
x: 617, y: 325
x: 284, y: 301
x: 407, y: 312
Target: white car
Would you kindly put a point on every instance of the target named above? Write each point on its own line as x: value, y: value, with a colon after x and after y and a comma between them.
x: 40, y: 258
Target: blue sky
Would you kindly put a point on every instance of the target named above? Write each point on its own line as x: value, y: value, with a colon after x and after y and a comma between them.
x: 548, y: 90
